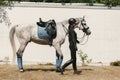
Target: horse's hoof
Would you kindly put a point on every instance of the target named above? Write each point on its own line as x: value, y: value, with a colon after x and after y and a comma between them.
x: 21, y: 70
x: 58, y: 70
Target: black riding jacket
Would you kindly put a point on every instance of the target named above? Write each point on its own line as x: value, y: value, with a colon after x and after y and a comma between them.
x: 72, y: 38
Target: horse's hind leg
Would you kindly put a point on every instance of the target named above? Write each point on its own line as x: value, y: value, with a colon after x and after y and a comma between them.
x: 19, y: 55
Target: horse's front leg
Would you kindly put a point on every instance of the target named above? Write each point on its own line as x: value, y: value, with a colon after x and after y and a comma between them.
x: 59, y: 57
x: 20, y: 54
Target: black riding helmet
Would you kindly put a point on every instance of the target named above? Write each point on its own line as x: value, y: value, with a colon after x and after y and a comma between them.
x: 71, y: 21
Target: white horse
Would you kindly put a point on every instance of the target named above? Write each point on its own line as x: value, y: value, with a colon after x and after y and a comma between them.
x: 28, y: 33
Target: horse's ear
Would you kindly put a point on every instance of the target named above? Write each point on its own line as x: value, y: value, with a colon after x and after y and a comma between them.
x: 84, y: 17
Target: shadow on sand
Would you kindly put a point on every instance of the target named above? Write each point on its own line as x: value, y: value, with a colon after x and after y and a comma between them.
x: 40, y: 69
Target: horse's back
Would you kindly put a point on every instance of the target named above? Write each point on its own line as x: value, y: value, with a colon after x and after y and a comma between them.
x: 25, y: 31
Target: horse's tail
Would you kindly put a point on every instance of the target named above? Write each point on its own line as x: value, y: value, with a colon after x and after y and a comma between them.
x: 12, y: 41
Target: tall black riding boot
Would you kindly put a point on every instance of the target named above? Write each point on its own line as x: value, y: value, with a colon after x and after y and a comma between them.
x: 75, y: 68
x: 65, y: 65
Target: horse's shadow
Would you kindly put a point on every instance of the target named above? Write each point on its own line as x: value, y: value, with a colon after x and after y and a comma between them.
x: 40, y: 69
x: 53, y: 69
x: 87, y: 69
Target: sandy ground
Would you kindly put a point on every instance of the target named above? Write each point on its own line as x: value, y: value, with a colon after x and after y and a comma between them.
x: 47, y: 72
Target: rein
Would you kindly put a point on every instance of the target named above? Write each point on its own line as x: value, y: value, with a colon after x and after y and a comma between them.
x: 82, y: 39
x: 65, y: 29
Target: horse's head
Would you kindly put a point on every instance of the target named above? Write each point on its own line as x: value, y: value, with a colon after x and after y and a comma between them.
x: 82, y: 25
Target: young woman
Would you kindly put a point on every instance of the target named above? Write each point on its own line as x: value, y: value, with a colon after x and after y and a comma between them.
x: 72, y: 45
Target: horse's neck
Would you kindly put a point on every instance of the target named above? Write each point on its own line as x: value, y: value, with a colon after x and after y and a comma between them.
x: 65, y: 22
x: 64, y: 27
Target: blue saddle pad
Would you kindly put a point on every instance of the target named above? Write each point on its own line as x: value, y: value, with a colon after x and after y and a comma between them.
x: 42, y: 33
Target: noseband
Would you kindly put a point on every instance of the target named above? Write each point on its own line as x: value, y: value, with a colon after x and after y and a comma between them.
x: 85, y: 29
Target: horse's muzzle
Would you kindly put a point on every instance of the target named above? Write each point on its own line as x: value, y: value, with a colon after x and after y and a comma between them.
x: 88, y: 32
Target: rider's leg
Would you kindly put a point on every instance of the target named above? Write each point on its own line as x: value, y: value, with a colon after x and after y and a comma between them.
x: 65, y: 65
x: 73, y: 55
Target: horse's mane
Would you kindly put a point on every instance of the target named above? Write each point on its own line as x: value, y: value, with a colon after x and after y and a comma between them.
x: 65, y: 22
x: 79, y: 19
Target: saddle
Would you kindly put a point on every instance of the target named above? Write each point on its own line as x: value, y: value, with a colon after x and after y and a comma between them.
x: 41, y: 23
x: 50, y: 29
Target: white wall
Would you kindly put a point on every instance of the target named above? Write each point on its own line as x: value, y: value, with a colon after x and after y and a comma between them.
x: 103, y: 44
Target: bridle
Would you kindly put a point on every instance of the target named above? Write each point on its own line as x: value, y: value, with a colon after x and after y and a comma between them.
x: 84, y: 29
x: 82, y: 39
